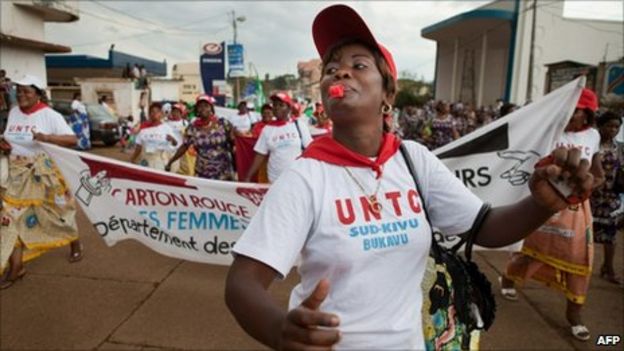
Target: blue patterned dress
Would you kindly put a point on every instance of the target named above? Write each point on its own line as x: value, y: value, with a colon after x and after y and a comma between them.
x: 79, y: 123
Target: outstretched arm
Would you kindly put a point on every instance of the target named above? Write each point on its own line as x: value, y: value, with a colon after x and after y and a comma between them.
x: 179, y: 152
x: 509, y: 224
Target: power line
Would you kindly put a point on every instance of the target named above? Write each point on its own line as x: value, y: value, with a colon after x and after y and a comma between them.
x: 99, y: 3
x: 145, y: 34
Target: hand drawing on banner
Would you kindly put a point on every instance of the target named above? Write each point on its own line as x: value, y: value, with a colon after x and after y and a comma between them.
x: 521, y: 171
x: 92, y: 186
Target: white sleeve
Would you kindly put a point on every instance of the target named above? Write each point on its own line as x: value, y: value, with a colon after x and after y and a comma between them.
x: 60, y: 125
x: 279, y: 230
x: 451, y: 206
x: 596, y: 142
x: 306, y: 137
x: 262, y: 146
x: 139, y: 138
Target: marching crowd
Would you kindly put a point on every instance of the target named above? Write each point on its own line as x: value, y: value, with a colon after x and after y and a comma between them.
x: 343, y: 149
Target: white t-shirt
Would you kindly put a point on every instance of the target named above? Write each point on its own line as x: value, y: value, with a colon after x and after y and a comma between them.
x: 20, y: 126
x: 154, y: 139
x: 283, y: 145
x: 242, y: 123
x: 375, y: 265
x: 76, y: 105
x: 588, y: 141
x: 177, y: 127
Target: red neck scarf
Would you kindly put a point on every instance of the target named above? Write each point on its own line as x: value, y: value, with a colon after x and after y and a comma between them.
x: 201, y: 122
x: 328, y: 150
x: 36, y: 107
x: 150, y: 124
x: 278, y: 123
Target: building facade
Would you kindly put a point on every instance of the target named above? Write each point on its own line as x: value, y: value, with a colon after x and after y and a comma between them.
x: 22, y: 34
x: 485, y: 54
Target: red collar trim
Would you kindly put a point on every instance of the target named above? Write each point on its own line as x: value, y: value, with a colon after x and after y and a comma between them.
x: 200, y: 122
x: 150, y: 124
x: 327, y: 149
x: 36, y: 107
x: 278, y: 123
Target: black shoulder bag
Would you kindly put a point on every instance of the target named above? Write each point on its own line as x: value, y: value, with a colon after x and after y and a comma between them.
x: 457, y: 297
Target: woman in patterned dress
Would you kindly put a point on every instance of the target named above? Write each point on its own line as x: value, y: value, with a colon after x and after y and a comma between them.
x: 443, y: 127
x: 605, y: 200
x: 213, y: 138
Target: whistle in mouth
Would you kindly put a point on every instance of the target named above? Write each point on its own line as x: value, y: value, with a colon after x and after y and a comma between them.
x: 336, y: 91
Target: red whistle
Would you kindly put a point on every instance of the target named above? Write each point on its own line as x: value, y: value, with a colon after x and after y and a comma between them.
x: 336, y: 91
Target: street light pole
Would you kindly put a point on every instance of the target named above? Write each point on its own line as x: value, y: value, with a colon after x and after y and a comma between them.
x: 234, y: 27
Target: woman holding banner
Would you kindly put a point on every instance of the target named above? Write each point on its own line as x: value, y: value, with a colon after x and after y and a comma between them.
x: 356, y: 290
x: 212, y: 138
x: 38, y: 211
x: 281, y: 141
x: 561, y: 253
x: 154, y: 140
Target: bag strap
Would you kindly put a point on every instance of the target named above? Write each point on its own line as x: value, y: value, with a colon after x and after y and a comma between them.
x: 299, y: 131
x: 467, y: 239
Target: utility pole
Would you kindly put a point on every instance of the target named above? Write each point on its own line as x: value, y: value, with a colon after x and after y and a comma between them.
x: 234, y: 24
x: 529, y: 91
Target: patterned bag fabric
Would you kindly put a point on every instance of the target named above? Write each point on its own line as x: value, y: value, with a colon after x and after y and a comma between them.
x: 458, y: 298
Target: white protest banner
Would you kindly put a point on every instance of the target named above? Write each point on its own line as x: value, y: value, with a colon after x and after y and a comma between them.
x: 200, y: 220
x: 496, y: 161
x: 228, y: 113
x: 189, y: 218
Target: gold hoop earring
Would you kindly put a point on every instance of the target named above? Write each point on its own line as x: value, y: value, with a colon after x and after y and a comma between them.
x: 386, y: 108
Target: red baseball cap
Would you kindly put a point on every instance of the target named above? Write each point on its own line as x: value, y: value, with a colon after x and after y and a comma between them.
x: 338, y: 22
x: 283, y: 97
x: 205, y: 97
x: 180, y: 107
x: 588, y: 100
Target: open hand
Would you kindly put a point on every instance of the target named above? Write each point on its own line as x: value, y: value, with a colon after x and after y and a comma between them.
x: 5, y: 147
x: 172, y: 140
x: 566, y: 166
x: 305, y: 327
x: 40, y: 136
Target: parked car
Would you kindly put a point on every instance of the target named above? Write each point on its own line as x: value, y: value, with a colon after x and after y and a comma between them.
x: 104, y: 126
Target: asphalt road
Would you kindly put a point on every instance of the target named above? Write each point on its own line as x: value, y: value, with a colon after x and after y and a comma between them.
x: 127, y: 297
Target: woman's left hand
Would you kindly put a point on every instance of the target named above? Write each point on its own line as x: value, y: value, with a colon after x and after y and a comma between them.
x: 567, y: 167
x: 41, y: 137
x: 172, y: 140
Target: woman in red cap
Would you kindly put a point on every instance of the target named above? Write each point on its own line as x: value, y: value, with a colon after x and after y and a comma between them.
x: 560, y: 253
x: 281, y: 141
x: 213, y: 140
x: 37, y: 209
x: 176, y: 120
x: 348, y: 209
x: 154, y: 140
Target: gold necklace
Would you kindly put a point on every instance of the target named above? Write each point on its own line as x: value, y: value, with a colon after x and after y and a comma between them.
x: 373, y: 203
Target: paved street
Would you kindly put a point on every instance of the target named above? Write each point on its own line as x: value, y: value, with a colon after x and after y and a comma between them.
x: 127, y: 297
